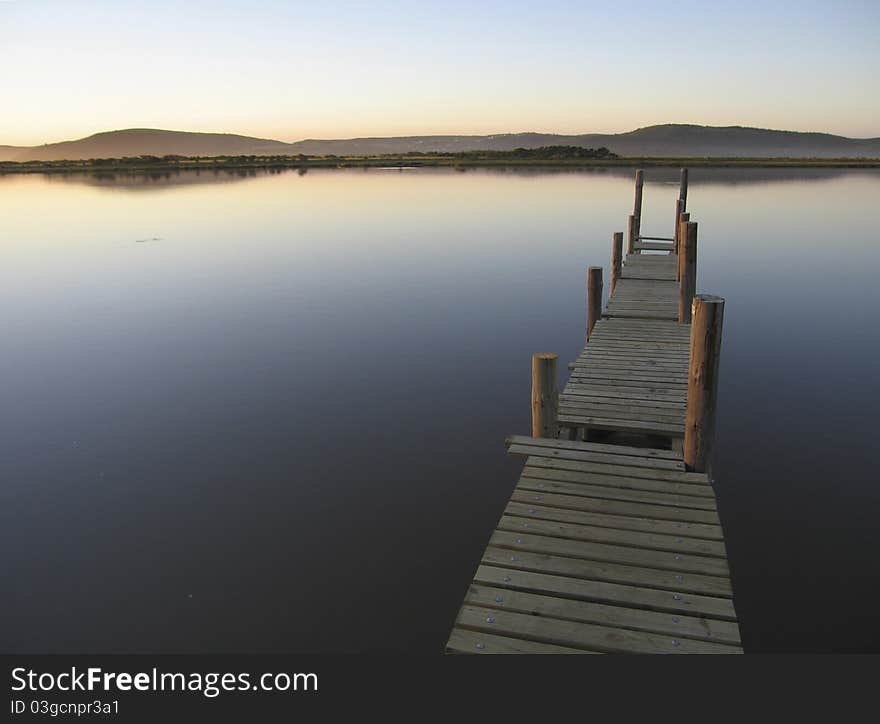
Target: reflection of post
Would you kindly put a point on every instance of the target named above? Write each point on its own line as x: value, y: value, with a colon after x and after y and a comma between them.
x: 594, y: 297
x: 683, y: 189
x: 687, y: 265
x: 702, y: 395
x: 545, y: 395
x: 616, y: 260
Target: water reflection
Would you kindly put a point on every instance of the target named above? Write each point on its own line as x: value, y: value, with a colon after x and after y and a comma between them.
x: 265, y: 429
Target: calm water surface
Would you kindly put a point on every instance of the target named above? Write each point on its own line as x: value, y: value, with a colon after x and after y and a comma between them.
x: 267, y: 412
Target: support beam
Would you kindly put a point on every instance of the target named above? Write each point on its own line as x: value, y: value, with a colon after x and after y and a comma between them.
x: 705, y: 354
x: 545, y: 395
x: 687, y: 265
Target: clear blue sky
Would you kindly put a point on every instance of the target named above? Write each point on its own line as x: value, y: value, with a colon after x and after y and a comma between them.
x: 292, y: 70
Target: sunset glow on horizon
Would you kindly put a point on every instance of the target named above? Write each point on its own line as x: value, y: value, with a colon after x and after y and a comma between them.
x: 295, y: 70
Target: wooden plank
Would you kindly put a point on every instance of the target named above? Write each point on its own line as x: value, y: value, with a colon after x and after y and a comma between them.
x: 586, y: 397
x: 617, y: 492
x: 581, y: 635
x: 572, y: 405
x: 607, y: 389
x: 551, y: 470
x: 601, y: 567
x: 570, y: 410
x: 614, y: 536
x: 463, y: 641
x: 655, y: 599
x: 695, y: 627
x: 545, y: 493
x: 625, y: 472
x: 594, y: 447
x: 647, y: 525
x: 524, y: 446
x: 587, y: 462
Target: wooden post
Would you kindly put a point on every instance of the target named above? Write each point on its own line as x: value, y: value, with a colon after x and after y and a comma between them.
x: 594, y: 297
x: 637, y: 206
x: 683, y: 189
x: 616, y: 257
x: 687, y: 265
x: 679, y: 207
x: 632, y: 232
x: 545, y: 395
x: 699, y: 431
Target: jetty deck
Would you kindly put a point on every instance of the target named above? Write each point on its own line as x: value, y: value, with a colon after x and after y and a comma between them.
x: 611, y: 540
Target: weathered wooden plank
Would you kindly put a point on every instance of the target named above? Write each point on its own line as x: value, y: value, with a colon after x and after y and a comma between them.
x: 570, y: 410
x: 597, y: 470
x: 587, y: 463
x: 616, y: 492
x: 524, y: 446
x: 463, y: 641
x: 623, y: 424
x: 528, y: 511
x: 518, y: 525
x: 694, y: 627
x: 586, y: 397
x: 548, y: 492
x: 625, y: 450
x: 672, y: 600
x: 583, y: 635
x: 553, y: 470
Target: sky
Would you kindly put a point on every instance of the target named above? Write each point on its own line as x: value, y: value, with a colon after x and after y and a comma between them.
x: 293, y: 70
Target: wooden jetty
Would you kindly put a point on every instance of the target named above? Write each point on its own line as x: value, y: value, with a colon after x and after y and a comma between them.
x: 611, y: 541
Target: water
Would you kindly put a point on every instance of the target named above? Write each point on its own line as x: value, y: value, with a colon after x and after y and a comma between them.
x: 266, y: 412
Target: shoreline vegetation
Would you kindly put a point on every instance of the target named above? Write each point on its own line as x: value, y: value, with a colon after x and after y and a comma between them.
x: 555, y: 156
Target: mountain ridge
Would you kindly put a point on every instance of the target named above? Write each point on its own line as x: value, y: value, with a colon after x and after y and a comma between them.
x: 678, y: 139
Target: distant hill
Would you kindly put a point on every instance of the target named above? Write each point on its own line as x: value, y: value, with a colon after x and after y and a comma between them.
x: 150, y: 142
x: 664, y: 140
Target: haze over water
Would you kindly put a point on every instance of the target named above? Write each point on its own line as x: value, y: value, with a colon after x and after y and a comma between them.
x: 267, y: 412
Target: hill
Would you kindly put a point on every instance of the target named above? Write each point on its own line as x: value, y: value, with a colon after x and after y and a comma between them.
x: 663, y: 140
x: 151, y: 142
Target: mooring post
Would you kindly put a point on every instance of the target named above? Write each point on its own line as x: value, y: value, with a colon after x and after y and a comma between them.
x: 683, y: 189
x: 699, y: 431
x: 637, y: 206
x: 594, y: 297
x: 616, y: 257
x: 687, y: 265
x: 545, y: 395
x: 679, y: 208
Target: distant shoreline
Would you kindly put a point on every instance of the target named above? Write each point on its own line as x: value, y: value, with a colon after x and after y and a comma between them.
x: 412, y: 161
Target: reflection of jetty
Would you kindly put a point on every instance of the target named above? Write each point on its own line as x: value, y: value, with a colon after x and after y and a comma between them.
x: 611, y: 541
